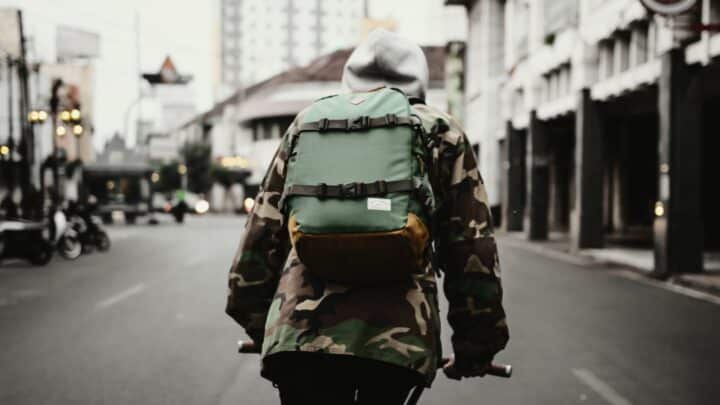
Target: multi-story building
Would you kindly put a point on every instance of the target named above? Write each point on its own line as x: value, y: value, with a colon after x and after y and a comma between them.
x: 259, y: 38
x: 168, y: 104
x: 594, y: 119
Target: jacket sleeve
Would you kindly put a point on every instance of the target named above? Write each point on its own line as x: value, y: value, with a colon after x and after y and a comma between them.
x: 263, y: 249
x: 467, y: 253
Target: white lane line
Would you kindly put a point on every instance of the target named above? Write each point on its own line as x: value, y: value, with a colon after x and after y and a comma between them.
x: 600, y: 387
x: 195, y: 262
x: 136, y: 289
x: 15, y: 297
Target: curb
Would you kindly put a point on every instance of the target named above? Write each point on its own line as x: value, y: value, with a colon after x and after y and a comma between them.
x: 534, y: 247
x: 588, y: 261
x: 696, y: 285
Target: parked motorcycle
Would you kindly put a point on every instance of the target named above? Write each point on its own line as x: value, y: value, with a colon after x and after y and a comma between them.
x: 64, y: 237
x: 88, y: 228
x: 24, y: 240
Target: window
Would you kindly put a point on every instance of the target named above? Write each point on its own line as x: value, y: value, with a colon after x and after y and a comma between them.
x: 714, y: 12
x: 605, y: 66
x: 558, y: 82
x: 565, y: 79
x: 639, y: 52
x: 622, y: 51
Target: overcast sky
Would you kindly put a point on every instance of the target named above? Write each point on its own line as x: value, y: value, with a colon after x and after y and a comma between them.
x: 183, y: 29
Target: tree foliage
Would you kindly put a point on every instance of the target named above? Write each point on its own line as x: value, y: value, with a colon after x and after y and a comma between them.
x: 197, y: 159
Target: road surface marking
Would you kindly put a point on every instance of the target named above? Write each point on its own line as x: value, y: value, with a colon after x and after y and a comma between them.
x: 136, y: 289
x: 10, y: 298
x: 600, y: 387
x: 584, y: 261
x: 195, y: 262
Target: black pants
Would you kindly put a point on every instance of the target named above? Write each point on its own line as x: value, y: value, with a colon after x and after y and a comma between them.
x: 321, y: 379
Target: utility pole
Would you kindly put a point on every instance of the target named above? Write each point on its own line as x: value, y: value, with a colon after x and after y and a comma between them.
x: 139, y: 79
x: 54, y: 112
x: 10, y: 97
x: 28, y: 149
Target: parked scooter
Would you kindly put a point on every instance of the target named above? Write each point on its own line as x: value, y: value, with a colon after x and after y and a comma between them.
x: 63, y: 236
x: 88, y: 228
x: 23, y: 239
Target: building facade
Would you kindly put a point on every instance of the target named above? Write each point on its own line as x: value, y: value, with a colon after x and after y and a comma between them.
x: 47, y: 107
x: 594, y: 119
x: 259, y: 38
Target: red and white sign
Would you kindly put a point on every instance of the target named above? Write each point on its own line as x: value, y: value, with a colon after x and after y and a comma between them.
x: 669, y: 7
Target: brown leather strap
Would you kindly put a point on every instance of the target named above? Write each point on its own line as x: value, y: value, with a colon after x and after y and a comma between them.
x: 350, y: 190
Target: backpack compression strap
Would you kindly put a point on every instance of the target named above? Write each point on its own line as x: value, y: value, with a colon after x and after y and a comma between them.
x: 351, y: 190
x: 358, y: 124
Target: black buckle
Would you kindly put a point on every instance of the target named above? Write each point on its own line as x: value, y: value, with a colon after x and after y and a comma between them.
x: 391, y: 120
x: 381, y: 187
x: 323, y: 124
x: 359, y: 123
x: 322, y: 192
x: 352, y: 189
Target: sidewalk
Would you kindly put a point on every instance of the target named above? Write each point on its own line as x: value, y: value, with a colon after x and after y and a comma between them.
x: 641, y: 260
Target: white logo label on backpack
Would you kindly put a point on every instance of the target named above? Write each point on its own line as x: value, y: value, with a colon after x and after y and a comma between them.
x: 379, y: 204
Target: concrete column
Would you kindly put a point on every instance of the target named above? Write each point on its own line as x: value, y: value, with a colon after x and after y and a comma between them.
x: 538, y: 180
x: 586, y: 219
x: 620, y: 182
x: 515, y: 186
x: 560, y: 166
x: 678, y: 227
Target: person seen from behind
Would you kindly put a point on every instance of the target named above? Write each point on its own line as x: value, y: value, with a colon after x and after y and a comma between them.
x: 371, y: 197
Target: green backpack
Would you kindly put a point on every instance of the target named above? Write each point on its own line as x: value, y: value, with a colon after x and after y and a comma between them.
x: 357, y: 194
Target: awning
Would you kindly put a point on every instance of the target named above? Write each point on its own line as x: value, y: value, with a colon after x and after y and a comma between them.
x: 271, y: 108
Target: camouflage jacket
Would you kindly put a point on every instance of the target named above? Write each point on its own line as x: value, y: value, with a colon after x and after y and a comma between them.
x: 287, y: 309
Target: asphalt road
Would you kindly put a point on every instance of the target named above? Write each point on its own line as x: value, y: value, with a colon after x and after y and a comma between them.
x: 144, y: 324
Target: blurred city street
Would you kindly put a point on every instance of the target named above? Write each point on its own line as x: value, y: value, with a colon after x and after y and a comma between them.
x: 144, y: 324
x: 136, y: 137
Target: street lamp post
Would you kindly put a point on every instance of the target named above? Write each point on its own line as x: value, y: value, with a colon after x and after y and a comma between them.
x: 73, y: 119
x: 35, y: 117
x: 182, y: 171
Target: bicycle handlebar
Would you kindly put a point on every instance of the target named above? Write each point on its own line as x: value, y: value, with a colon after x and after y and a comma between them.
x: 248, y: 346
x: 496, y: 370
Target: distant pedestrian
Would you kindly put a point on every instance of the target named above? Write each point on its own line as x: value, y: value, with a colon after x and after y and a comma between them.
x: 8, y: 206
x: 371, y: 194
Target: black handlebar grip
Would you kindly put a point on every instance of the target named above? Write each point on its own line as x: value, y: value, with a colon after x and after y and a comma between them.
x: 248, y: 346
x: 496, y: 370
x: 500, y: 370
